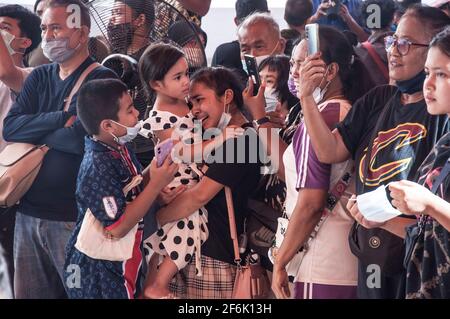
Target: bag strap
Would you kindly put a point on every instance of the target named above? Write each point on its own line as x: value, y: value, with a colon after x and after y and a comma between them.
x: 376, y: 58
x: 442, y: 175
x: 232, y: 221
x: 78, y: 84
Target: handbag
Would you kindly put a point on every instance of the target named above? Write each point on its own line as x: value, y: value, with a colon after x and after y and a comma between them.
x: 94, y: 241
x: 251, y: 281
x: 414, y: 231
x: 377, y: 246
x: 333, y: 197
x: 20, y: 162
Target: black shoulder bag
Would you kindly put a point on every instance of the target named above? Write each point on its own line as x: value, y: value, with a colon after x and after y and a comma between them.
x: 414, y: 231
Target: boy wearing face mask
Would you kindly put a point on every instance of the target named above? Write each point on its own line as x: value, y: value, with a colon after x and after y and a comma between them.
x: 47, y: 213
x: 19, y: 29
x: 112, y: 187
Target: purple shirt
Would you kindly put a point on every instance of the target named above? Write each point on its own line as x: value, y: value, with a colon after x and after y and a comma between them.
x: 311, y: 173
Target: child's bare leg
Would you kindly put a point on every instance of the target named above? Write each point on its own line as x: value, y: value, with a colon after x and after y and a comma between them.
x: 152, y: 270
x: 159, y: 287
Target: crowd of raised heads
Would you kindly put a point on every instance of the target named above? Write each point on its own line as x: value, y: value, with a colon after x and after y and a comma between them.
x: 315, y: 156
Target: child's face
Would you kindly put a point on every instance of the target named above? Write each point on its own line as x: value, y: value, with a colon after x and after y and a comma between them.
x: 127, y: 115
x: 176, y: 82
x: 436, y: 88
x: 269, y: 77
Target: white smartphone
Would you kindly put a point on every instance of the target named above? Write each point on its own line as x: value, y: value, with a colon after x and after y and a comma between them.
x: 312, y: 37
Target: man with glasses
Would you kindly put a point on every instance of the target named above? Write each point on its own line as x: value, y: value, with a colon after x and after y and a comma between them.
x: 47, y: 213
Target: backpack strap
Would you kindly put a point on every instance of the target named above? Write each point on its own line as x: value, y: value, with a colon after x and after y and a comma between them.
x: 78, y: 84
x: 440, y: 179
x: 376, y: 58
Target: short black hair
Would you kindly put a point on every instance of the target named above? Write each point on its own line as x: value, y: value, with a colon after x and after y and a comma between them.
x: 84, y: 11
x: 387, y: 8
x: 28, y: 22
x: 297, y: 12
x: 279, y: 64
x: 145, y: 7
x: 99, y: 100
x: 246, y: 7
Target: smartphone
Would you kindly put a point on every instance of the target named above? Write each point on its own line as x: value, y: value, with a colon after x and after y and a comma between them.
x: 335, y: 7
x: 252, y: 70
x: 312, y: 37
x: 162, y: 150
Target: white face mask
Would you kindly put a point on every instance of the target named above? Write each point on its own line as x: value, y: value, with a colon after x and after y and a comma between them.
x: 8, y: 38
x: 319, y: 93
x: 225, y: 118
x: 131, y: 134
x: 375, y: 206
x: 271, y: 99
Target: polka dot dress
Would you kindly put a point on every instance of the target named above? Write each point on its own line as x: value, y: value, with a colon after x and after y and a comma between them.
x: 182, y: 238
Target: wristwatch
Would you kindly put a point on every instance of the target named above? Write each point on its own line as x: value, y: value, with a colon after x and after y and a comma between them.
x: 261, y: 121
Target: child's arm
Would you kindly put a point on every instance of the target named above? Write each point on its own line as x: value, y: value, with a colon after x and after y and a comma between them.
x: 136, y: 210
x: 192, y: 152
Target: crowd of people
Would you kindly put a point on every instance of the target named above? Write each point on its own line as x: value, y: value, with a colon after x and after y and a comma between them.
x: 142, y: 186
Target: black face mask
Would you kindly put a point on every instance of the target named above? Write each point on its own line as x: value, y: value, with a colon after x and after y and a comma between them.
x: 120, y: 37
x: 412, y: 85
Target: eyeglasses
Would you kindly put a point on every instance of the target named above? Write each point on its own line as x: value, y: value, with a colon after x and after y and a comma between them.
x: 402, y: 44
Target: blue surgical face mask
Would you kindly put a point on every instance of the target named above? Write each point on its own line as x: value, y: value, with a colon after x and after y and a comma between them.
x: 131, y: 134
x: 412, y: 85
x: 58, y: 50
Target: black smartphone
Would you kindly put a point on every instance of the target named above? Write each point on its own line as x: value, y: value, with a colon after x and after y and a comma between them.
x: 252, y: 70
x: 335, y: 7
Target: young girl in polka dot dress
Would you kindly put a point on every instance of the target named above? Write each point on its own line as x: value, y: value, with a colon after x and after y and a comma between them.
x: 164, y: 73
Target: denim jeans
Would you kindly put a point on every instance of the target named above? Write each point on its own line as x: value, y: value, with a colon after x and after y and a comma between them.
x: 39, y: 256
x: 5, y: 285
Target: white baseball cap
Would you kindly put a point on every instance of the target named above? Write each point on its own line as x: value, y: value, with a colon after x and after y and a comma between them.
x: 434, y: 3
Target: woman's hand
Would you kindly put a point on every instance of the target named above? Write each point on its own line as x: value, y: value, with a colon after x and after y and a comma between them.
x: 352, y: 207
x: 166, y: 196
x: 277, y: 117
x: 280, y: 283
x: 161, y: 176
x: 311, y: 73
x: 256, y: 104
x: 410, y: 198
x: 344, y: 13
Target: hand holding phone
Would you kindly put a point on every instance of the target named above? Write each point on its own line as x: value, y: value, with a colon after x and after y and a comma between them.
x: 162, y: 150
x: 312, y: 38
x: 252, y: 70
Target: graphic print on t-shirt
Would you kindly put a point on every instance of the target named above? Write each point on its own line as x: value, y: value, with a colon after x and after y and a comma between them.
x: 396, y: 140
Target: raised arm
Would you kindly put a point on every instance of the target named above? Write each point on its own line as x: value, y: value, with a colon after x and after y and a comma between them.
x: 10, y: 74
x: 327, y: 144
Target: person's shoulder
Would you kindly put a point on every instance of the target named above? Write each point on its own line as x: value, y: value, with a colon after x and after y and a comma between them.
x: 44, y: 70
x: 102, y: 72
x: 228, y: 46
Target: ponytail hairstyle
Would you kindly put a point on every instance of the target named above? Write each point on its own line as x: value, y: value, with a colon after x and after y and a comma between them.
x: 154, y: 64
x: 432, y: 19
x: 220, y: 79
x: 353, y: 74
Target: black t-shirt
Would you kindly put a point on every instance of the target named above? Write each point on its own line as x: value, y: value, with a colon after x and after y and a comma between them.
x: 427, y: 276
x: 242, y: 176
x: 406, y: 136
